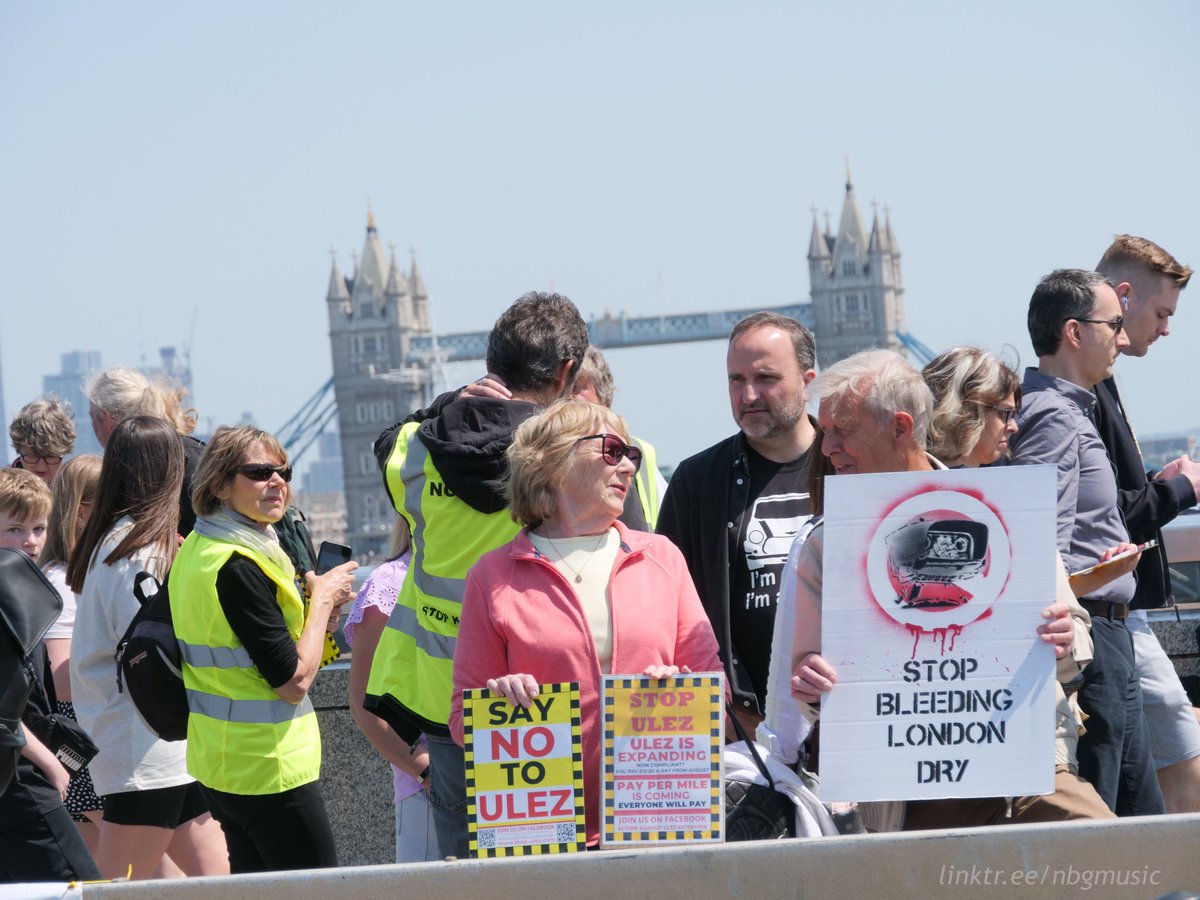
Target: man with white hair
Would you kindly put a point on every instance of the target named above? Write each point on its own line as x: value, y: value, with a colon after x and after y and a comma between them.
x: 874, y: 414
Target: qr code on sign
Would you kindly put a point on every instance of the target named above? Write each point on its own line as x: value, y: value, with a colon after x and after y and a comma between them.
x: 487, y: 839
x: 564, y: 832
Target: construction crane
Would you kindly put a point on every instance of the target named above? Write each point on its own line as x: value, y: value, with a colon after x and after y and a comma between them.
x: 299, y: 432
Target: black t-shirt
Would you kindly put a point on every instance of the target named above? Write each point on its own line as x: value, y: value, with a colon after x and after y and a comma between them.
x: 247, y: 598
x: 778, y: 508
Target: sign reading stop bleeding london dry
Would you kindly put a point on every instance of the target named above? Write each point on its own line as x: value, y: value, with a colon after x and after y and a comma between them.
x: 933, y: 588
x: 524, y: 771
x: 661, y: 775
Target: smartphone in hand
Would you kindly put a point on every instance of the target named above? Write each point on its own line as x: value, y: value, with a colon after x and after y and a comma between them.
x: 1120, y: 556
x: 331, y: 555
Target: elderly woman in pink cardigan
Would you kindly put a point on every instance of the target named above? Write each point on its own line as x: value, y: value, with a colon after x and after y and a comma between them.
x: 576, y: 595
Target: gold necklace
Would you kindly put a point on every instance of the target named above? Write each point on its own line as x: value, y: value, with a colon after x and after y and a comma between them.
x: 578, y: 573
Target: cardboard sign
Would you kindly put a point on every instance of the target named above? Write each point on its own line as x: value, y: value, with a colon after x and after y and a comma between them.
x: 524, y: 773
x: 661, y: 773
x: 933, y: 588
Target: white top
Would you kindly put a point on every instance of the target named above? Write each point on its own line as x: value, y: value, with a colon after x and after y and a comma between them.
x: 131, y: 758
x: 586, y: 562
x: 56, y: 574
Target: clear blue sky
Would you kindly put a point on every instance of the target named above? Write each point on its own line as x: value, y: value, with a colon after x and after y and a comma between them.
x: 160, y: 158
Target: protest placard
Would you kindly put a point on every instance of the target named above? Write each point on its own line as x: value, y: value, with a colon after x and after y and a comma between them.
x: 661, y: 775
x: 933, y: 588
x: 524, y: 773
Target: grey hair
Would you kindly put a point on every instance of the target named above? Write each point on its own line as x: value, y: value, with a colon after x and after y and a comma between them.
x: 886, y: 384
x: 595, y: 371
x: 123, y: 392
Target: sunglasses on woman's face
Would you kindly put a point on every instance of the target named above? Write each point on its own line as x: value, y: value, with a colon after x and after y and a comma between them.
x: 613, y: 449
x: 264, y: 471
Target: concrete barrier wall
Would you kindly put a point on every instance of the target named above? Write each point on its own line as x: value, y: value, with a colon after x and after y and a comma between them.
x: 1145, y: 858
x: 357, y: 782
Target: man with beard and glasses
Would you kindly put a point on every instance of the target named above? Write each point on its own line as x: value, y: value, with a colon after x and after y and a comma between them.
x: 735, y: 508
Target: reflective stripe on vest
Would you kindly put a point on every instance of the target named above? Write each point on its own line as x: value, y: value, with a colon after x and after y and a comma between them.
x: 243, y: 738
x: 249, y: 712
x: 413, y: 471
x: 215, y: 657
x: 439, y: 646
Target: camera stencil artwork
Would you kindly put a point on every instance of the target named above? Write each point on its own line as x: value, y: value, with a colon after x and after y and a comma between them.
x: 938, y: 561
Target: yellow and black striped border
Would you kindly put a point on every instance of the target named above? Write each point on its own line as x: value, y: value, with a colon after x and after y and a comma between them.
x: 472, y: 696
x: 714, y: 684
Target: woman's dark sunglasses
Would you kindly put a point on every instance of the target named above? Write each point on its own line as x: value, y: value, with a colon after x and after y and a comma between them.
x: 613, y: 449
x: 264, y: 471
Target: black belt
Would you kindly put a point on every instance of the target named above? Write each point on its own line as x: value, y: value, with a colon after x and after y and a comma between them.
x: 1105, y: 610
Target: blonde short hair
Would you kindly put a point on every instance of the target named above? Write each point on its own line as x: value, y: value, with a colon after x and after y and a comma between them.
x: 543, y: 452
x: 224, y: 453
x: 965, y: 381
x: 23, y: 495
x: 1129, y: 254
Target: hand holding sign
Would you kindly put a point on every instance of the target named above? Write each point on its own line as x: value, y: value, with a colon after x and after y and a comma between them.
x: 1058, y: 629
x: 812, y: 678
x: 661, y: 672
x: 519, y: 689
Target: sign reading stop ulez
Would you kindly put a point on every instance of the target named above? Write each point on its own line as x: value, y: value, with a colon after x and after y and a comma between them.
x: 661, y: 766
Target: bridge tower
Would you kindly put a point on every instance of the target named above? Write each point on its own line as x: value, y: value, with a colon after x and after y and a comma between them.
x: 857, y: 290
x: 372, y: 318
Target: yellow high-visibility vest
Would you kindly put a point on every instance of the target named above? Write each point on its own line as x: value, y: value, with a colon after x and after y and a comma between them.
x: 412, y: 675
x: 243, y: 738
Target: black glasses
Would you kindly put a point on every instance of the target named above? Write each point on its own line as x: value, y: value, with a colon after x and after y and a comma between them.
x: 1006, y: 413
x: 264, y: 471
x: 613, y: 449
x: 1115, y: 324
x: 32, y: 458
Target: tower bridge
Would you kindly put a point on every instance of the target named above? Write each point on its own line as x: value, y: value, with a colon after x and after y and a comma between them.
x: 387, y: 361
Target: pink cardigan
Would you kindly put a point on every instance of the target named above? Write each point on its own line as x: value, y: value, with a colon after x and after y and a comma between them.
x: 521, y: 615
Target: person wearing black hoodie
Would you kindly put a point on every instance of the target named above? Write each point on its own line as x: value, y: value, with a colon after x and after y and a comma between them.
x: 444, y: 470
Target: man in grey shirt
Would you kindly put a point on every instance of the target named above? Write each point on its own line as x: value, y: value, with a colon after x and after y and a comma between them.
x: 1076, y: 327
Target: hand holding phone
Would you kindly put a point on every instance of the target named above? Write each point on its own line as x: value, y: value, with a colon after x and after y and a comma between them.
x: 331, y: 556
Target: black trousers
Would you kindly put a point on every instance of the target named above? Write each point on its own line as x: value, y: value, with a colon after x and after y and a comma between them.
x: 1114, y: 753
x: 275, y: 832
x: 41, y: 846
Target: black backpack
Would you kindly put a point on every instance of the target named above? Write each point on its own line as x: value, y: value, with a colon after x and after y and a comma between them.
x: 29, y: 605
x: 149, y: 665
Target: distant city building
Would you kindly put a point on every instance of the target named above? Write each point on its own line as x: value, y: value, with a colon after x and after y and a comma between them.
x: 857, y: 290
x: 324, y: 473
x: 77, y: 368
x: 372, y: 316
x: 1159, y: 450
x: 325, y: 516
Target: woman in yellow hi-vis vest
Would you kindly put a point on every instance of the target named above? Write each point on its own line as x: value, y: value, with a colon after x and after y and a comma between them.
x: 251, y: 649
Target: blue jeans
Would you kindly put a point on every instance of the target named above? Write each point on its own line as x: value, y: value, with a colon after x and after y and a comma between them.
x: 448, y: 795
x: 1114, y: 754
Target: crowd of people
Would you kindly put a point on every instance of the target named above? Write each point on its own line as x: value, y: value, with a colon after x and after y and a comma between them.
x: 536, y: 542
